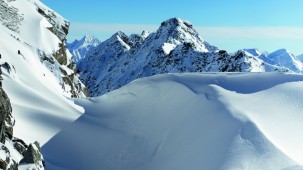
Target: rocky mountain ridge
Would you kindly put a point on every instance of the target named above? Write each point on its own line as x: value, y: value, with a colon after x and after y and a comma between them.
x: 175, y: 47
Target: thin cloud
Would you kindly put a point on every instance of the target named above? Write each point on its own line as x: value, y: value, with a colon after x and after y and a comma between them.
x: 287, y: 33
x: 112, y: 28
x: 217, y: 32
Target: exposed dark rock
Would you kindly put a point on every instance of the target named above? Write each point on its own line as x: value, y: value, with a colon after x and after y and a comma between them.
x: 20, y: 145
x: 60, y: 55
x: 32, y: 155
x: 5, y: 116
x: 2, y: 164
x: 7, y: 67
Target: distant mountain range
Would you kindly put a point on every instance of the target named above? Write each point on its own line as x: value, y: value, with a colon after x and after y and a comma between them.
x: 79, y: 48
x: 175, y: 47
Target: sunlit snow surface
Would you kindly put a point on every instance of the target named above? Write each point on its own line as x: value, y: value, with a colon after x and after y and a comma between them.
x: 38, y: 104
x: 187, y: 121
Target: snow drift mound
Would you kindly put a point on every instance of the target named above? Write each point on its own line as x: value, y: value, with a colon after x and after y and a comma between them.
x: 185, y: 121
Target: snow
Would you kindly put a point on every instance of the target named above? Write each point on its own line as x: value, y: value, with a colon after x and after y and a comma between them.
x: 174, y: 48
x: 79, y: 48
x: 284, y: 58
x: 39, y: 106
x: 254, y: 52
x: 279, y: 123
x: 167, y: 48
x: 187, y: 121
x: 170, y: 121
x: 34, y: 30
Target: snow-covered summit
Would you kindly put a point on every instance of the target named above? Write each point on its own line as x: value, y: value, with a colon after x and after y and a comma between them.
x: 255, y: 52
x: 175, y: 31
x: 175, y: 47
x: 79, y: 48
x: 284, y: 58
x: 87, y: 40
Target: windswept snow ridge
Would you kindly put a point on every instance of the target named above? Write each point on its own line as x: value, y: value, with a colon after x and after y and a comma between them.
x: 187, y: 121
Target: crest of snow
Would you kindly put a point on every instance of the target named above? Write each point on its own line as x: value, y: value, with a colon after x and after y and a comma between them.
x: 187, y: 121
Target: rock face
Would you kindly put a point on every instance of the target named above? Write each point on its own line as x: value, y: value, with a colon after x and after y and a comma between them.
x: 13, y: 148
x: 60, y: 28
x: 175, y: 47
x: 32, y: 155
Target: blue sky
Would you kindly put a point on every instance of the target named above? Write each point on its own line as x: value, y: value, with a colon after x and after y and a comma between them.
x: 229, y: 24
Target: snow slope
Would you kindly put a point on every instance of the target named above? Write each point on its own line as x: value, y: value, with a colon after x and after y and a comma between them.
x: 187, y: 121
x: 34, y: 80
x: 79, y: 48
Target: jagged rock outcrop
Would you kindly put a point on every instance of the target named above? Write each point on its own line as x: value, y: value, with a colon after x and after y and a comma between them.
x: 69, y: 79
x: 6, y: 120
x: 175, y: 47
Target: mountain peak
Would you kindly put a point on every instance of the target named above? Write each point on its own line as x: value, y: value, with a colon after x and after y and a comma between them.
x: 281, y: 52
x: 120, y: 37
x: 176, y: 22
x: 88, y: 37
x: 284, y: 50
x: 253, y: 51
x: 120, y: 34
x: 175, y: 31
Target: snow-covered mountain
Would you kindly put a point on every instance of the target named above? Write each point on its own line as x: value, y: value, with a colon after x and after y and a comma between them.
x: 79, y: 48
x: 188, y: 121
x: 284, y: 58
x: 256, y: 53
x: 175, y: 47
x: 300, y: 57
